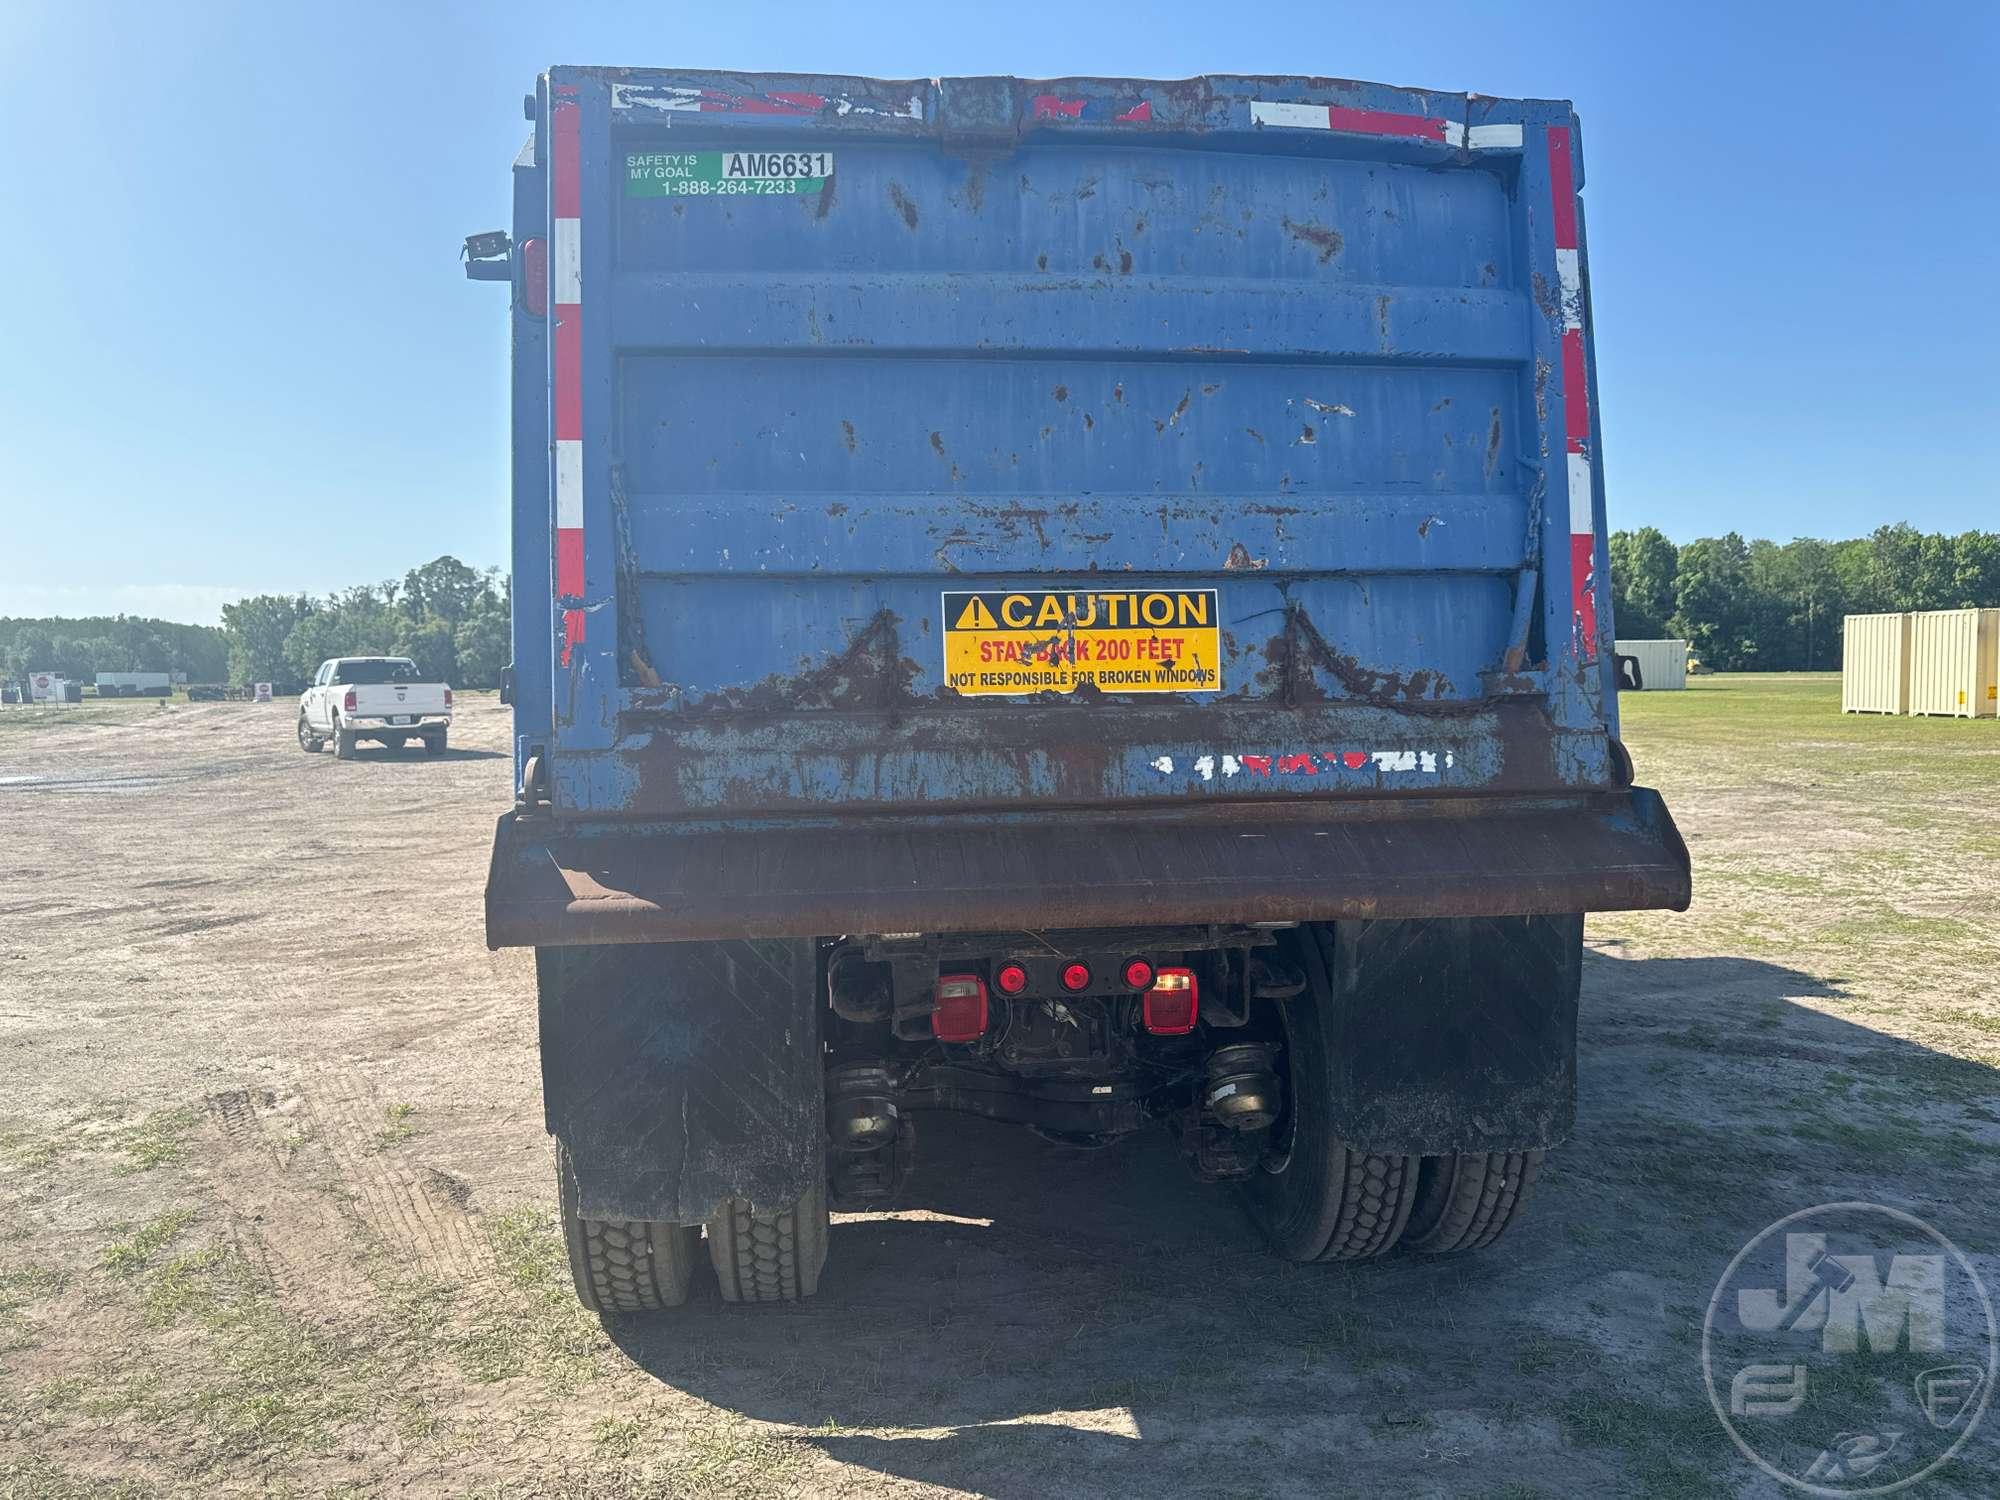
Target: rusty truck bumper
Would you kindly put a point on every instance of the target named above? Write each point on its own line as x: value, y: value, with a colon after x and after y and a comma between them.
x: 557, y: 882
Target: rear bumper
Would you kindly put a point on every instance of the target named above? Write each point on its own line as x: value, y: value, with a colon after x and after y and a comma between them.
x: 418, y: 722
x: 558, y: 882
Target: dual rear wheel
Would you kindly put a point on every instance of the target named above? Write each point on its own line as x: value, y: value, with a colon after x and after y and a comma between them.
x: 1318, y: 1200
x: 634, y: 1266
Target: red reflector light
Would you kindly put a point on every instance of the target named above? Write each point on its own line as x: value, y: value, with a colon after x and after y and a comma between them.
x: 347, y: 703
x: 447, y: 697
x: 1171, y: 1005
x: 958, y: 1008
x: 1138, y: 975
x: 535, y: 277
x: 1010, y: 979
x: 1076, y: 977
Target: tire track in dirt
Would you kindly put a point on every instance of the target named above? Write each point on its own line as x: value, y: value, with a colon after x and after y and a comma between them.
x: 286, y: 1227
x: 421, y: 1214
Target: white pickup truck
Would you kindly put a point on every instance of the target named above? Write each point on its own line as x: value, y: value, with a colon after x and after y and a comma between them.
x: 382, y: 698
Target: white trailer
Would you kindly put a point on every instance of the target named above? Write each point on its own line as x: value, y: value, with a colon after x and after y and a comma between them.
x: 134, y: 684
x: 1662, y: 664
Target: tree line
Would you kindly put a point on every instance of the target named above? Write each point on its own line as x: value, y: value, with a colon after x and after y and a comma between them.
x: 81, y: 648
x: 450, y: 619
x: 1761, y: 606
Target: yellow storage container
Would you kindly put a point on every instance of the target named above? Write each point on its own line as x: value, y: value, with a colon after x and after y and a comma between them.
x: 1875, y: 664
x: 1955, y: 662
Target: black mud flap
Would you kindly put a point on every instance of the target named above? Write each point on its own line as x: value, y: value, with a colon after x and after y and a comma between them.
x: 1454, y: 1034
x: 681, y: 1074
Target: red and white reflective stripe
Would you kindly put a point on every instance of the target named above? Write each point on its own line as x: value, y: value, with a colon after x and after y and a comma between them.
x: 1576, y: 397
x: 1386, y: 122
x: 566, y: 311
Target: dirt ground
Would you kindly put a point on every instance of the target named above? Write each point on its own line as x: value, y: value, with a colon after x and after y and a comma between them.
x: 278, y: 1205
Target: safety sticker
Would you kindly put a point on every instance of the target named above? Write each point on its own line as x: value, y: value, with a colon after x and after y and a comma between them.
x: 1058, y: 640
x: 725, y: 174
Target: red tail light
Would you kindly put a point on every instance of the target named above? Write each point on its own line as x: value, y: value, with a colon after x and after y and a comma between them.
x: 347, y: 703
x: 1171, y: 1005
x: 1139, y: 975
x: 958, y: 1008
x: 1076, y: 977
x: 535, y: 277
x: 1010, y: 979
x: 447, y: 697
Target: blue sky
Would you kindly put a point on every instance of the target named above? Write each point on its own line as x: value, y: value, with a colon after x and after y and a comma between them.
x: 243, y: 358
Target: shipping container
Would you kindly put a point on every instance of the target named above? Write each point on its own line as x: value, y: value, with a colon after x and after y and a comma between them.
x: 1663, y: 665
x: 1027, y: 590
x: 1875, y: 664
x: 1952, y: 662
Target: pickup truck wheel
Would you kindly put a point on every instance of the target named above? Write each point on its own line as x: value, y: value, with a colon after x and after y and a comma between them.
x: 343, y: 742
x: 308, y: 741
x: 1314, y: 1198
x: 1468, y: 1202
x: 434, y: 743
x: 624, y: 1265
x: 769, y: 1257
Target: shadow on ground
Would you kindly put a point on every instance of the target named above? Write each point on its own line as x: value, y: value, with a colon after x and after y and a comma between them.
x: 1062, y: 1318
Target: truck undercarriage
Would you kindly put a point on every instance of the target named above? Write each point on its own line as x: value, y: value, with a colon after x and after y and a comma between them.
x: 1363, y: 1084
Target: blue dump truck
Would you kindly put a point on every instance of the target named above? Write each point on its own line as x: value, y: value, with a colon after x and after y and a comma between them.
x: 1080, y: 602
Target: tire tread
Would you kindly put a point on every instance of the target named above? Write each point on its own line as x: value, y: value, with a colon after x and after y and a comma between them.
x: 1467, y: 1202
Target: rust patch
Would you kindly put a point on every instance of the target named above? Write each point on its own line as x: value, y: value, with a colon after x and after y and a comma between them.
x: 1545, y: 297
x: 1187, y: 399
x: 825, y: 205
x: 1118, y: 392
x: 1041, y: 262
x: 900, y: 201
x: 1061, y: 393
x: 1424, y: 526
x: 837, y: 509
x: 1382, y: 318
x: 937, y: 444
x: 1308, y: 434
x: 1442, y: 404
x: 1493, y: 443
x: 870, y: 673
x: 1139, y: 225
x: 847, y: 435
x: 1326, y: 241
x: 1124, y: 262
x: 1240, y: 561
x: 1294, y: 651
x: 1255, y: 434
x: 1088, y: 422
x: 975, y: 186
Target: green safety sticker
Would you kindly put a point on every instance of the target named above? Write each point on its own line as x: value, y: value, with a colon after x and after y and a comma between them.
x: 725, y: 174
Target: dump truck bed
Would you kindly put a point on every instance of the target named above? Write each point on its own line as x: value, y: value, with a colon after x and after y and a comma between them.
x: 956, y: 461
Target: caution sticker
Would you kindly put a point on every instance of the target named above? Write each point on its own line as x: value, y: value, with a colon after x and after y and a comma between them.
x: 725, y: 174
x: 1057, y: 640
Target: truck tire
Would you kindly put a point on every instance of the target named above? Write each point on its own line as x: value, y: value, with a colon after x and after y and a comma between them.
x: 308, y: 741
x: 769, y: 1257
x: 1468, y: 1202
x: 1314, y: 1198
x: 624, y: 1265
x: 343, y: 742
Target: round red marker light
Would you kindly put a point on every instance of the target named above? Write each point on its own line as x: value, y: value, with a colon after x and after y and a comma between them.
x: 1138, y: 975
x: 1076, y: 977
x: 1010, y: 979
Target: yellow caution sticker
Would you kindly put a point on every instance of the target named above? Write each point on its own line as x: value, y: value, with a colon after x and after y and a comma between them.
x: 1058, y: 640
